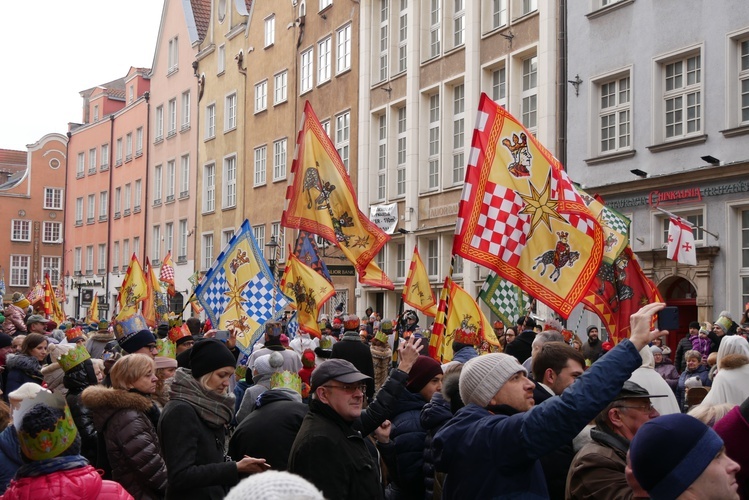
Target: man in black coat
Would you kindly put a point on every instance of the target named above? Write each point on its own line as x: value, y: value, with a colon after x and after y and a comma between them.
x: 521, y: 347
x: 352, y: 349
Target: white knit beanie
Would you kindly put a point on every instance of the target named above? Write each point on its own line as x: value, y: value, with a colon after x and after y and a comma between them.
x: 482, y: 377
x: 274, y: 485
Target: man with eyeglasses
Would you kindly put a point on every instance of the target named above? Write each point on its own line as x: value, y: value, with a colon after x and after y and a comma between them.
x: 330, y: 449
x: 140, y: 342
x: 597, y: 471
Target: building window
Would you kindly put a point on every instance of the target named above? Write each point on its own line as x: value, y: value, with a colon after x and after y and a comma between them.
x: 172, y: 117
x: 182, y: 249
x: 210, y: 121
x: 53, y: 198
x: 697, y: 219
x: 433, y: 258
x: 103, y: 205
x: 615, y: 115
x: 138, y: 141
x: 326, y: 127
x: 279, y: 87
x: 96, y: 113
x: 499, y: 86
x: 104, y: 157
x: 682, y: 96
x: 324, y: 4
x: 221, y: 59
x: 279, y: 160
x: 91, y: 205
x: 744, y: 267
x: 129, y: 146
x: 159, y: 125
x: 171, y: 172
x: 401, y: 153
x: 261, y: 96
x: 131, y: 94
x: 78, y: 211
x: 51, y: 232
x: 77, y: 261
x: 168, y: 236
x: 230, y: 182
x: 434, y: 141
x: 343, y: 49
x: 102, y: 258
x: 458, y: 266
x: 259, y: 233
x: 128, y: 197
x: 91, y: 161
x: 80, y: 168
x: 89, y: 260
x: 459, y: 23
x: 530, y: 94
x: 403, y: 36
x: 278, y: 233
x: 117, y: 202
x: 226, y: 236
x: 305, y: 82
x: 157, y: 179
x: 21, y: 230
x: 435, y: 22
x: 342, y: 137
x: 744, y: 79
x: 185, y: 110
x: 126, y: 255
x: 51, y: 266
x: 230, y: 122
x: 499, y: 13
x: 323, y: 60
x: 270, y: 30
x: 115, y: 257
x: 19, y: 270
x: 207, y: 251
x: 459, y: 107
x: 382, y: 157
x: 184, y: 176
x: 138, y: 194
x: 136, y: 245
x: 173, y: 55
x: 383, y: 39
x: 156, y: 243
x: 261, y: 155
x: 400, y: 261
x: 209, y: 188
x: 530, y: 6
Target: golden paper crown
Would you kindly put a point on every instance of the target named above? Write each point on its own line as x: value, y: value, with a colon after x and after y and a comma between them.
x: 382, y: 337
x: 74, y: 333
x: 468, y: 337
x: 73, y: 358
x: 47, y: 443
x: 178, y: 332
x: 167, y: 348
x: 287, y: 380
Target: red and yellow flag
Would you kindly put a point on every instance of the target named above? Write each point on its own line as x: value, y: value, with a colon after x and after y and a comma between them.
x: 166, y: 274
x: 51, y: 305
x: 521, y: 216
x: 417, y: 292
x: 153, y: 305
x: 320, y: 199
x: 92, y: 315
x: 464, y: 314
x: 308, y: 291
x: 133, y: 290
x: 438, y: 328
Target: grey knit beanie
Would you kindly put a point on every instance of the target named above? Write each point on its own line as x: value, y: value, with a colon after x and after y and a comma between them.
x: 274, y: 485
x: 482, y: 377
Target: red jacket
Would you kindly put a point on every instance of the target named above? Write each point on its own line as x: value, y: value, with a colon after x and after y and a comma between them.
x: 83, y: 484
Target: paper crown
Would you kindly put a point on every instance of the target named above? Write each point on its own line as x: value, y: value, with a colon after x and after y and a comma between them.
x: 130, y: 326
x: 286, y: 380
x: 167, y: 348
x: 463, y: 336
x: 382, y: 337
x: 74, y: 333
x: 73, y: 358
x: 178, y: 332
x: 174, y: 320
x: 50, y: 442
x: 326, y: 342
x: 387, y: 326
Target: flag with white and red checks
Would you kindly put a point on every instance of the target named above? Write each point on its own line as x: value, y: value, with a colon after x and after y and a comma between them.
x: 521, y: 216
x: 166, y: 274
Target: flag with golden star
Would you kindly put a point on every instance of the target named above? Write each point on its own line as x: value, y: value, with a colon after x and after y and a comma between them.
x: 308, y: 291
x: 521, y: 216
x: 417, y: 292
x: 321, y: 199
x: 238, y: 292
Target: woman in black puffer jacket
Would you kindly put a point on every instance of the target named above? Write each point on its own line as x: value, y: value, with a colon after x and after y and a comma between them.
x: 127, y: 419
x: 76, y: 379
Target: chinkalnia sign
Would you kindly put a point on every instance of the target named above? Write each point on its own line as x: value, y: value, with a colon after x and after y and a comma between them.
x: 656, y: 198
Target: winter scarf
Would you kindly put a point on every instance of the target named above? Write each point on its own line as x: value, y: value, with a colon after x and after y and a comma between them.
x: 44, y: 467
x: 215, y: 409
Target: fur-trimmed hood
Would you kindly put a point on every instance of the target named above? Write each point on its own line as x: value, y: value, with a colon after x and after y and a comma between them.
x: 105, y: 402
x: 733, y: 361
x: 22, y: 362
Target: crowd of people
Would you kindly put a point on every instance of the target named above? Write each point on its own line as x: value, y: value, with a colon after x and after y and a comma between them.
x: 178, y: 411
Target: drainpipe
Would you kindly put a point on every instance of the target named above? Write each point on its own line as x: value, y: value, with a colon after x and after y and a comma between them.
x: 64, y: 213
x: 562, y: 83
x: 147, y: 96
x: 243, y: 72
x: 109, y: 212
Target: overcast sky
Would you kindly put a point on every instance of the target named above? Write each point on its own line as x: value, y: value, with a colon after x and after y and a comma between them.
x: 53, y: 49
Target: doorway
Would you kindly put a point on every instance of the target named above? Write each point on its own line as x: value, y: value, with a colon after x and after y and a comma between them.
x: 679, y: 292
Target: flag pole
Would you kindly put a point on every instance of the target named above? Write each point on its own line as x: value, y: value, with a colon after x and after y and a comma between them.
x: 701, y: 228
x: 398, y: 328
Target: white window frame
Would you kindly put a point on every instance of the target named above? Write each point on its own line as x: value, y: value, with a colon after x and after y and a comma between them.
x: 498, y: 85
x: 279, y: 159
x: 207, y: 250
x: 158, y: 125
x: 270, y: 30
x: 324, y: 4
x: 184, y: 176
x: 261, y: 96
x: 259, y: 233
x: 261, y: 165
x: 102, y: 258
x: 173, y: 55
x: 306, y: 71
x: 210, y: 121
x: 459, y: 23
x: 155, y: 243
x: 103, y: 205
x: 458, y: 134
x: 128, y: 146
x: 79, y: 211
x: 383, y: 36
x: 91, y: 209
x: 157, y: 184
x: 280, y: 87
x: 400, y: 151
x: 138, y: 141
x: 182, y: 248
x: 230, y: 115
x: 403, y: 36
x: 171, y: 177
x: 696, y: 216
x: 127, y: 198
x: 117, y: 202
x: 104, y: 157
x: 432, y: 263
x: 53, y: 198
x: 400, y: 261
x: 343, y: 49
x: 138, y: 195
x: 53, y: 265
x: 434, y: 42
x: 51, y: 232
x: 221, y: 60
x: 616, y: 116
x: 229, y: 179
x: 169, y: 236
x: 434, y: 140
x: 92, y: 161
x: 382, y: 157
x: 529, y: 93
x: 89, y: 260
x: 20, y: 230
x: 279, y: 233
x: 209, y: 187
x: 670, y: 89
x: 19, y: 270
x: 118, y: 160
x: 115, y: 257
x: 186, y: 98
x: 80, y: 168
x: 324, y: 47
x: 343, y: 137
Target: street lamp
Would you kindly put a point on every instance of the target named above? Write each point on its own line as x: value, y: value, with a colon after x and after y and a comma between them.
x: 271, y: 247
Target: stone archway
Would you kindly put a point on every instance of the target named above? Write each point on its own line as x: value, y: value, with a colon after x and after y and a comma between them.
x: 680, y: 292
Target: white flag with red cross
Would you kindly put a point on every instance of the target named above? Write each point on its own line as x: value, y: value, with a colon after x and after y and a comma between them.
x: 681, y: 241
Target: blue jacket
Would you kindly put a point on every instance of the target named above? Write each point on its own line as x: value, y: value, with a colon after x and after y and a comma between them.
x: 490, y: 455
x: 408, y: 436
x: 465, y: 354
x: 10, y: 456
x: 702, y: 372
x: 434, y: 415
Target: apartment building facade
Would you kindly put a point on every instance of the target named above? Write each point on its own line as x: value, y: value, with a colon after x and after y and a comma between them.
x: 657, y: 120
